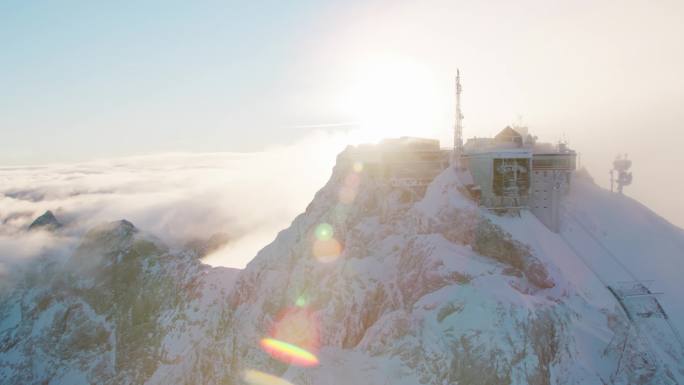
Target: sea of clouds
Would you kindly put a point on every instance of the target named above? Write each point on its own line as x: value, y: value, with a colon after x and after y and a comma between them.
x: 177, y: 197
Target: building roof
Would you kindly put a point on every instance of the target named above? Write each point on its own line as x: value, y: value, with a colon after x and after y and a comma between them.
x: 408, y: 143
x: 509, y: 134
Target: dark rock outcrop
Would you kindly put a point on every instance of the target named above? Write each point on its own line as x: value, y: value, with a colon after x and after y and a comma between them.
x: 47, y: 221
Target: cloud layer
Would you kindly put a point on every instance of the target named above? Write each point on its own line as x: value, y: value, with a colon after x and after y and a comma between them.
x: 177, y: 197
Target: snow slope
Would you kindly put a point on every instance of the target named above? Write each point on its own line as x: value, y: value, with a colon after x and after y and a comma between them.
x: 645, y: 244
x: 609, y: 240
x: 457, y: 295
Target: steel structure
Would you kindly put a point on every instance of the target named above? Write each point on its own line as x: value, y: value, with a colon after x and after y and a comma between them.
x: 458, y: 127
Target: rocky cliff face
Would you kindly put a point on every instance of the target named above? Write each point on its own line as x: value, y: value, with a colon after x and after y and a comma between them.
x: 101, y: 316
x: 368, y: 286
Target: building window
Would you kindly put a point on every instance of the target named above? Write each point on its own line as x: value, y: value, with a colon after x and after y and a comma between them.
x: 511, y: 177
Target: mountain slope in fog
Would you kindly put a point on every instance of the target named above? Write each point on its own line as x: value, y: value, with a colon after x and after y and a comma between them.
x: 379, y: 287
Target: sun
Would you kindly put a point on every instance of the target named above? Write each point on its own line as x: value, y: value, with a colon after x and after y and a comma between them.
x: 392, y: 96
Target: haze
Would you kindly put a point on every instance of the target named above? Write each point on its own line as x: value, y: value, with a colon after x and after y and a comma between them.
x: 82, y: 81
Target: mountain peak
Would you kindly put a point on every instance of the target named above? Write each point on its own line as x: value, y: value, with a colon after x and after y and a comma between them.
x: 47, y: 221
x: 111, y: 236
x: 121, y: 227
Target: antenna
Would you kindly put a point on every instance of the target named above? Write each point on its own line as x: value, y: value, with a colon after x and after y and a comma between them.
x: 458, y: 128
x: 624, y: 178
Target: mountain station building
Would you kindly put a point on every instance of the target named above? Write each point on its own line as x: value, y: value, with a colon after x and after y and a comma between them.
x: 512, y: 171
x: 507, y: 173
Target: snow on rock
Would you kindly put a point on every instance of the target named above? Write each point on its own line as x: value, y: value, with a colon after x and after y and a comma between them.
x: 109, y: 315
x: 388, y: 290
x: 456, y: 294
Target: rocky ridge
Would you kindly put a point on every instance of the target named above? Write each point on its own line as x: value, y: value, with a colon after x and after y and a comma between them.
x: 379, y: 288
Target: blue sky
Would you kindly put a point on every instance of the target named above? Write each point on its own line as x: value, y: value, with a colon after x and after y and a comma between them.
x: 83, y: 79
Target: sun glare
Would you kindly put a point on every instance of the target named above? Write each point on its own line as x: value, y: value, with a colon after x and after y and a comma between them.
x: 393, y: 96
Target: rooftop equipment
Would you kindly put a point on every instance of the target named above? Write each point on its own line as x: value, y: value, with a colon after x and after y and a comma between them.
x: 624, y: 178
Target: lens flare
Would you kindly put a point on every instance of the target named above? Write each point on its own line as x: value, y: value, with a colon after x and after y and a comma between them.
x: 255, y: 377
x: 288, y: 353
x: 358, y: 166
x: 324, y: 231
x: 302, y: 301
x: 352, y: 180
x: 349, y: 189
x: 294, y: 337
x: 327, y: 251
x: 346, y: 195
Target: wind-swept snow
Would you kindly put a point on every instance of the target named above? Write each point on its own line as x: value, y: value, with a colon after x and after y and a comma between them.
x: 649, y: 247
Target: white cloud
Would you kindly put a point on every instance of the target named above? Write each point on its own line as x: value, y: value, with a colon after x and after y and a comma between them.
x: 177, y: 197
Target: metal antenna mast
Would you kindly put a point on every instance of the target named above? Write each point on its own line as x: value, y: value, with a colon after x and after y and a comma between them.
x: 458, y: 129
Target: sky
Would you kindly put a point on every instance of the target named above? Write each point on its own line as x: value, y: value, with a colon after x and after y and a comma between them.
x: 82, y: 81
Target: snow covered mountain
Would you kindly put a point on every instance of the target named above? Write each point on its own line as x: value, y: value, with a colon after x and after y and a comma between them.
x: 366, y: 287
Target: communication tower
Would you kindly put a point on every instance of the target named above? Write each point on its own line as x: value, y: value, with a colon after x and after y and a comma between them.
x: 624, y: 178
x: 458, y: 128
